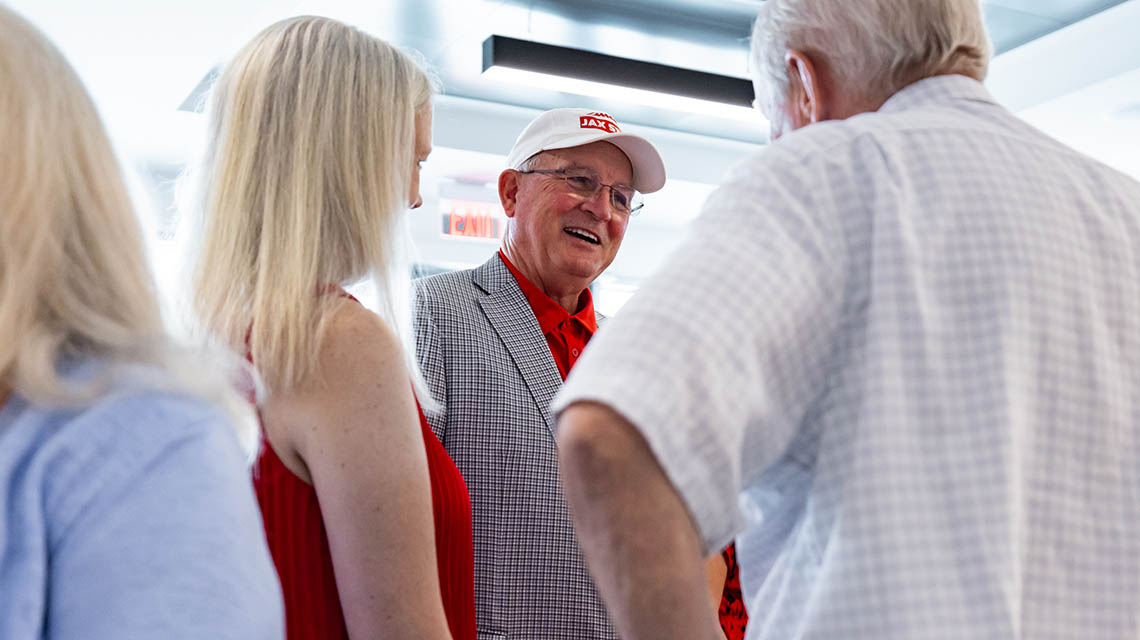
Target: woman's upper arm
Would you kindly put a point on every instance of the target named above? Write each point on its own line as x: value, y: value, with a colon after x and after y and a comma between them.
x: 360, y: 438
x: 170, y: 543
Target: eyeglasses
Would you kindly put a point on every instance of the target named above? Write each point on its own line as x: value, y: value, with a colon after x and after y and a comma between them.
x: 624, y: 200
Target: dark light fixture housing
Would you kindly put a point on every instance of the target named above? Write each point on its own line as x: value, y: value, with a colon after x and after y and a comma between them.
x: 602, y: 75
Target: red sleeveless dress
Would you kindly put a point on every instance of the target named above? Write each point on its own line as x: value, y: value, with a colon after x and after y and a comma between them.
x: 299, y: 544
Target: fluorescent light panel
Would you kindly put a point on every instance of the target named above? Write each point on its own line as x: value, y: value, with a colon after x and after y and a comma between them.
x: 594, y: 74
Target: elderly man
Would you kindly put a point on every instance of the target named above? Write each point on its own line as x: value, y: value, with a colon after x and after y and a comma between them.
x: 495, y: 344
x: 900, y: 350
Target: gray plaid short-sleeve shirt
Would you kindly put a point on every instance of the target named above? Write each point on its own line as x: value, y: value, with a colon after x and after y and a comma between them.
x: 910, y: 345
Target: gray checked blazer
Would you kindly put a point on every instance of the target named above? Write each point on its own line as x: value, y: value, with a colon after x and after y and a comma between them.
x: 488, y: 363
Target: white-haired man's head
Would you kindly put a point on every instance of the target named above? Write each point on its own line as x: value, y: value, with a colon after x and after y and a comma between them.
x: 830, y: 59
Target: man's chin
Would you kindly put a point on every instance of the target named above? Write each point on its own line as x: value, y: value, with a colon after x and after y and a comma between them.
x: 590, y: 274
x: 584, y: 271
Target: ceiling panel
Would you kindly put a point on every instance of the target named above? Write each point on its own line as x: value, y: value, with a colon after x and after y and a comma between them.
x: 450, y: 34
x: 707, y: 35
x: 1011, y: 28
x: 731, y: 15
x: 1065, y: 11
x: 143, y: 54
x: 1012, y: 23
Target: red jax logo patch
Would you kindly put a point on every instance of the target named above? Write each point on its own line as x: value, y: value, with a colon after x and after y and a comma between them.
x: 598, y: 120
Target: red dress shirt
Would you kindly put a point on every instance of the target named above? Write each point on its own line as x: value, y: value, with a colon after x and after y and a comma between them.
x: 566, y: 334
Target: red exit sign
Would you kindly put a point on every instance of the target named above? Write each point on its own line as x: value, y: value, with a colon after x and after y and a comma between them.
x: 470, y: 219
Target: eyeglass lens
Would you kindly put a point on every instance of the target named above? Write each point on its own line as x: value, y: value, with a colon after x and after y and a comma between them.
x: 620, y: 197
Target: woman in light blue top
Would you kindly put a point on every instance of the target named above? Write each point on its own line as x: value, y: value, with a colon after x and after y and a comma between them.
x: 125, y: 506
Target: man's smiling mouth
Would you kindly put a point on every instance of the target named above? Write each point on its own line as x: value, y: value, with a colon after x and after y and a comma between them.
x: 583, y: 234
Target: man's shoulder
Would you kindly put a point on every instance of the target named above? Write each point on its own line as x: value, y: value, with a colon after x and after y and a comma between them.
x: 795, y: 164
x: 834, y: 140
x: 489, y: 278
x: 444, y: 281
x: 821, y: 137
x: 800, y: 153
x: 837, y: 150
x: 447, y: 287
x: 449, y: 299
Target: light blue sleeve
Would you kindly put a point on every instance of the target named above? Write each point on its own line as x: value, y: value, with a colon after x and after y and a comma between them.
x: 158, y: 534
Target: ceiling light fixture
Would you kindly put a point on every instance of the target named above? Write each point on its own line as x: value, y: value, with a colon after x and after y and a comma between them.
x: 604, y: 76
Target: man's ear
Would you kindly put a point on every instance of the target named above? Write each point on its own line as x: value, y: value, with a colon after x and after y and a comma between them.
x: 806, y: 93
x: 508, y: 191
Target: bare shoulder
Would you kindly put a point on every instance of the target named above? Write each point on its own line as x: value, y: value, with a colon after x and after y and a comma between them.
x: 360, y: 374
x: 356, y: 341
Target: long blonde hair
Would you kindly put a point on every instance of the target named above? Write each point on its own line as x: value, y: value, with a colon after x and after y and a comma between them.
x: 74, y: 279
x: 304, y: 184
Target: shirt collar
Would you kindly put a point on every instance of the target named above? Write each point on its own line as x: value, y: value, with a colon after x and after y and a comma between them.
x: 548, y: 312
x: 937, y: 90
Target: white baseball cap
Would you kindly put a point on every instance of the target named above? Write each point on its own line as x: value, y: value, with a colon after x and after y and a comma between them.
x: 565, y: 128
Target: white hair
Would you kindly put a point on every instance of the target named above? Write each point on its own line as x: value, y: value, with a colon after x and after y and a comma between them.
x: 873, y: 47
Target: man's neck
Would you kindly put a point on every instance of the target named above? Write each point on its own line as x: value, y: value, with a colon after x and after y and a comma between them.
x: 5, y: 393
x: 571, y: 302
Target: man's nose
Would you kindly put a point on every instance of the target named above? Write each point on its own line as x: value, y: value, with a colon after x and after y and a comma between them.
x: 600, y: 205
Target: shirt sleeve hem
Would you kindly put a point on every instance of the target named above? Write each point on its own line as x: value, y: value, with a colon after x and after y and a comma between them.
x: 715, y: 523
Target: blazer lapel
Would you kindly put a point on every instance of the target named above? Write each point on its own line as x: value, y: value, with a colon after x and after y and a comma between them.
x: 510, y: 315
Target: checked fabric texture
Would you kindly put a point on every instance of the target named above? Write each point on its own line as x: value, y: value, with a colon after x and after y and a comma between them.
x: 905, y: 381
x: 489, y: 365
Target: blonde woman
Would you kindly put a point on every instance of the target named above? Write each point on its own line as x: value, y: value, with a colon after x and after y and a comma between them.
x: 316, y: 134
x: 124, y: 509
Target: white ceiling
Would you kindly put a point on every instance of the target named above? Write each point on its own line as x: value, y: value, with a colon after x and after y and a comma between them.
x: 143, y: 57
x: 1081, y: 84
